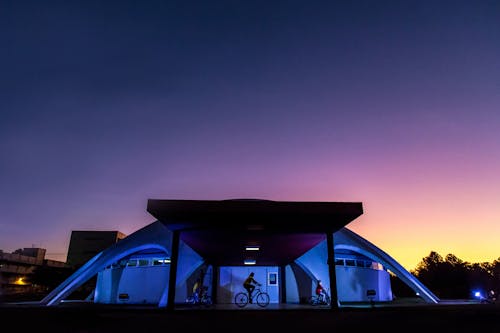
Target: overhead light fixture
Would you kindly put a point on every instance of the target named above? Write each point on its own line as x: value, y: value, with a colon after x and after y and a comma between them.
x: 252, y: 248
x: 249, y: 262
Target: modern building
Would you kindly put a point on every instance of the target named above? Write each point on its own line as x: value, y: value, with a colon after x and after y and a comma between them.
x: 288, y: 245
x: 17, y: 269
x: 85, y: 244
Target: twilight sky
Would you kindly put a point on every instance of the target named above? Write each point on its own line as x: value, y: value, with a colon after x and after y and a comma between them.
x: 395, y: 104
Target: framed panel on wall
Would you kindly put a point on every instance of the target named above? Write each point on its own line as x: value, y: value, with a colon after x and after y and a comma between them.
x: 272, y: 279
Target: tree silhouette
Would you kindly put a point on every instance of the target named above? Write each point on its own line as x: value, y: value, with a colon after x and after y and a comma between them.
x: 452, y: 277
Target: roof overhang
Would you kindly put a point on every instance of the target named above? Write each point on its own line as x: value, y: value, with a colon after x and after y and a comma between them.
x: 219, y: 230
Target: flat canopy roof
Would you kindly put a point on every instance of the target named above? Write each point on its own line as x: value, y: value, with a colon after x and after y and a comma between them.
x: 219, y: 230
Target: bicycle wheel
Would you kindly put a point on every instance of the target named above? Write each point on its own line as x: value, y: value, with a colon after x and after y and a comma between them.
x: 313, y: 300
x: 262, y: 299
x: 206, y: 300
x: 241, y: 299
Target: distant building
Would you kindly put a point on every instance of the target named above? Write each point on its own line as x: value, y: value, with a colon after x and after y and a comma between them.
x: 86, y: 244
x: 17, y: 268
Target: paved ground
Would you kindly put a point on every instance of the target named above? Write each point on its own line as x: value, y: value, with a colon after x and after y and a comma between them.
x: 92, y: 318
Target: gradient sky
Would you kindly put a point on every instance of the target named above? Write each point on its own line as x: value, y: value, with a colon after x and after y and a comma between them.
x: 395, y: 104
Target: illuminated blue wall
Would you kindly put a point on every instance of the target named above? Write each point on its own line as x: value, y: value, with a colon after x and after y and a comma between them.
x: 188, y: 268
x: 352, y: 281
x: 138, y: 279
x: 142, y: 285
x: 145, y: 284
x: 314, y: 262
x: 292, y: 291
x: 231, y: 281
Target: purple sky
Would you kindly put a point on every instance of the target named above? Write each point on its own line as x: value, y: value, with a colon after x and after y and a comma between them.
x: 395, y: 104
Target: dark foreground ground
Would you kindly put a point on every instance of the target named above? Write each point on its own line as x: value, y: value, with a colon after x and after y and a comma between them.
x: 97, y: 318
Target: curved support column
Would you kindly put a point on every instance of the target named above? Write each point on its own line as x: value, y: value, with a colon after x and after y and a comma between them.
x: 153, y: 236
x: 346, y: 239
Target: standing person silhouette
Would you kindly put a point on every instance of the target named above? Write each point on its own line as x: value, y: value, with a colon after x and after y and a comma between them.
x: 249, y: 285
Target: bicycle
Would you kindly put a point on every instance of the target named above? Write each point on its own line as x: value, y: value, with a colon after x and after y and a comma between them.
x: 321, y: 299
x: 241, y: 299
x: 205, y: 299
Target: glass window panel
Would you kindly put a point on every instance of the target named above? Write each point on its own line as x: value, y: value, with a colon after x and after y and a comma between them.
x: 350, y: 262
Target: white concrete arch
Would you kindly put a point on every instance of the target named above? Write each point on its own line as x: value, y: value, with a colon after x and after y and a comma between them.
x: 349, y: 240
x: 153, y: 236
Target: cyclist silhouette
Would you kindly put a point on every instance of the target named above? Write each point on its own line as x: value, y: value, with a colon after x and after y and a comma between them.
x: 249, y: 285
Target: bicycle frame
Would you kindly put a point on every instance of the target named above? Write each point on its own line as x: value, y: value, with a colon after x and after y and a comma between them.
x: 321, y: 299
x: 243, y: 298
x: 203, y: 299
x: 255, y: 292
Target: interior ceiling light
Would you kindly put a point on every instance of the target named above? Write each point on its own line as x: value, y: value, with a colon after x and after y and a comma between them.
x: 252, y: 248
x: 249, y: 262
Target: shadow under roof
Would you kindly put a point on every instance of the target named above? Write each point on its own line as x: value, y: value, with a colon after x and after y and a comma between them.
x: 219, y: 230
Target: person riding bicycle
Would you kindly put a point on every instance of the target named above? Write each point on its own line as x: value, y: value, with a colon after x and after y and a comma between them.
x: 249, y: 285
x: 320, y: 291
x: 197, y: 290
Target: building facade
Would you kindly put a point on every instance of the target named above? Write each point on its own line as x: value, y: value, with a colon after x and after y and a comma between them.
x: 17, y: 270
x: 84, y: 244
x: 288, y: 245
